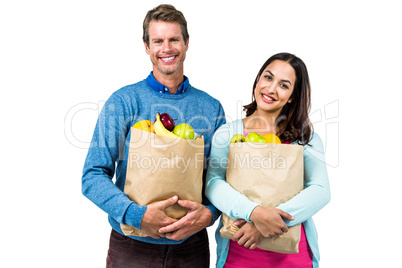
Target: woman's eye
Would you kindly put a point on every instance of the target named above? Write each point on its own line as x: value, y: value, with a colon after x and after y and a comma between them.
x: 284, y: 86
x: 268, y: 77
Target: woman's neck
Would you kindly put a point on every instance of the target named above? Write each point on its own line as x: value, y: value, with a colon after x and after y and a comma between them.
x: 260, y: 123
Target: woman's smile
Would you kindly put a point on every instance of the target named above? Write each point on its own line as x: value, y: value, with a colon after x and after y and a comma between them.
x: 267, y: 98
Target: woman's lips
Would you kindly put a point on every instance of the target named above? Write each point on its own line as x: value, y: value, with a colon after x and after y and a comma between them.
x: 267, y: 98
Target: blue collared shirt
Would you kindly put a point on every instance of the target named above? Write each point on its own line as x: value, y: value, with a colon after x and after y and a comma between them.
x: 161, y: 88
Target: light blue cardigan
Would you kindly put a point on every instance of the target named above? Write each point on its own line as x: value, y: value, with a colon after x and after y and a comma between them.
x: 316, y: 193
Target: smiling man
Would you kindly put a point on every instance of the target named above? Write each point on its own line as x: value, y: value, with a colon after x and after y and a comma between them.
x: 170, y: 242
x: 167, y: 49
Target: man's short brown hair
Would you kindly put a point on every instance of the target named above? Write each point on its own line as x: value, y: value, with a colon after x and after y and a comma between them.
x: 168, y: 13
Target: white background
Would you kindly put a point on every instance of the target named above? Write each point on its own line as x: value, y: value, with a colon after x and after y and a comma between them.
x: 60, y: 60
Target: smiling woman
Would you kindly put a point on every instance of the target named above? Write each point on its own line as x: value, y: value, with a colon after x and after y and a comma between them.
x: 280, y: 105
x: 274, y: 88
x: 281, y: 94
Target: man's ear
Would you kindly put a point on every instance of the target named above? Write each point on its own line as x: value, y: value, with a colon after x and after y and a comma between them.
x: 188, y: 40
x: 147, y: 50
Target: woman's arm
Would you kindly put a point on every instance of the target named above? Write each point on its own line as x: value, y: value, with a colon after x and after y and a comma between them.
x: 218, y: 191
x: 228, y: 200
x: 316, y: 193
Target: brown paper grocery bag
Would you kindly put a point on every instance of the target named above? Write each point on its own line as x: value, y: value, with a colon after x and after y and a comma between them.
x: 160, y: 167
x: 268, y: 174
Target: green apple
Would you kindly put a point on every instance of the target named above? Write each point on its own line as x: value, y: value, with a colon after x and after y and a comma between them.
x: 255, y: 137
x: 237, y: 138
x: 184, y: 131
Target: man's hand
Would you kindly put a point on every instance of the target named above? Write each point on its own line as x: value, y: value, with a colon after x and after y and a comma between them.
x: 248, y: 235
x: 269, y: 220
x: 155, y: 217
x: 197, y: 218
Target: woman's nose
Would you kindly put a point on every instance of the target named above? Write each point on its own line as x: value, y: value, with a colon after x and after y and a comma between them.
x: 271, y: 88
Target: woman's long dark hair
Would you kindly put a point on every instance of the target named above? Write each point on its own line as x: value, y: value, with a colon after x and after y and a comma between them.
x: 293, y: 122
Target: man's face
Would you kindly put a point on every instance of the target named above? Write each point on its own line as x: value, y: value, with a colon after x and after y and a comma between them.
x: 166, y: 48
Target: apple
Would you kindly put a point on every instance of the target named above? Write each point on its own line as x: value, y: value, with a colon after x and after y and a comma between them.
x: 167, y: 121
x: 255, y: 137
x: 145, y: 125
x: 184, y: 131
x: 237, y: 138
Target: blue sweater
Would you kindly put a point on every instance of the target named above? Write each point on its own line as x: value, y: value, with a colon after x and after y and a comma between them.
x: 303, y: 206
x: 107, y: 155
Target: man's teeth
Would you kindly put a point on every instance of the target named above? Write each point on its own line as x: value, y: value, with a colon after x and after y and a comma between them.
x: 168, y: 59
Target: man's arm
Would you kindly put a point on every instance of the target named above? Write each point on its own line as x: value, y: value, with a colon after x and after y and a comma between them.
x: 155, y: 217
x: 106, y: 148
x: 197, y: 218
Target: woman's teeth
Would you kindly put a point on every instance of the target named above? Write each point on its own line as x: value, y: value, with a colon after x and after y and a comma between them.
x: 268, y: 98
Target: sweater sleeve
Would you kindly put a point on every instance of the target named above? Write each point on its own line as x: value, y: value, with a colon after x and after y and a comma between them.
x: 221, y: 194
x: 316, y: 192
x: 219, y: 121
x: 107, y: 148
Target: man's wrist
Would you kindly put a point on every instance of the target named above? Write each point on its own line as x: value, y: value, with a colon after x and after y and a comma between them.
x: 209, y: 216
x: 134, y: 215
x: 214, y: 212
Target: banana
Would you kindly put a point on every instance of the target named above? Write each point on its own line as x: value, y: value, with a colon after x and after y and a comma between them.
x: 161, y: 130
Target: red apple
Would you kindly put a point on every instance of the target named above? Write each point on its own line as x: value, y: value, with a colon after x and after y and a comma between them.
x: 167, y: 121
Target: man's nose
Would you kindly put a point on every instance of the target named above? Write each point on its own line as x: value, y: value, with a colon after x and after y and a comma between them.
x: 166, y: 46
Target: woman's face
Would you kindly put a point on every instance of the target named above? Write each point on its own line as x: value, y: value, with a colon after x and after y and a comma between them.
x: 275, y: 87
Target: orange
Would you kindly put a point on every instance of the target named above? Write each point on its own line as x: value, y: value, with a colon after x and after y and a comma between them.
x: 145, y: 125
x: 272, y: 138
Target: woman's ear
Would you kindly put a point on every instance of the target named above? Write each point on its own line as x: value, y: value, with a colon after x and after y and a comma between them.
x: 290, y: 100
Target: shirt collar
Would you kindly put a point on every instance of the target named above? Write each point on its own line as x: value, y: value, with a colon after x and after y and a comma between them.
x: 161, y: 88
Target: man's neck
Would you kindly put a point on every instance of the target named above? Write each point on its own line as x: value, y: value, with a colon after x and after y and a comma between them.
x: 172, y: 81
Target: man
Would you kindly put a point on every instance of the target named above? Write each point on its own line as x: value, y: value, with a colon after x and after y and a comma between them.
x: 170, y: 242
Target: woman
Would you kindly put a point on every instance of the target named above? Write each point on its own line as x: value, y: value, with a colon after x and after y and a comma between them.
x: 280, y: 105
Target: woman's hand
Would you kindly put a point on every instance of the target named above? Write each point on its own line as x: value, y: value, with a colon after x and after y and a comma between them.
x: 269, y: 221
x: 248, y: 235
